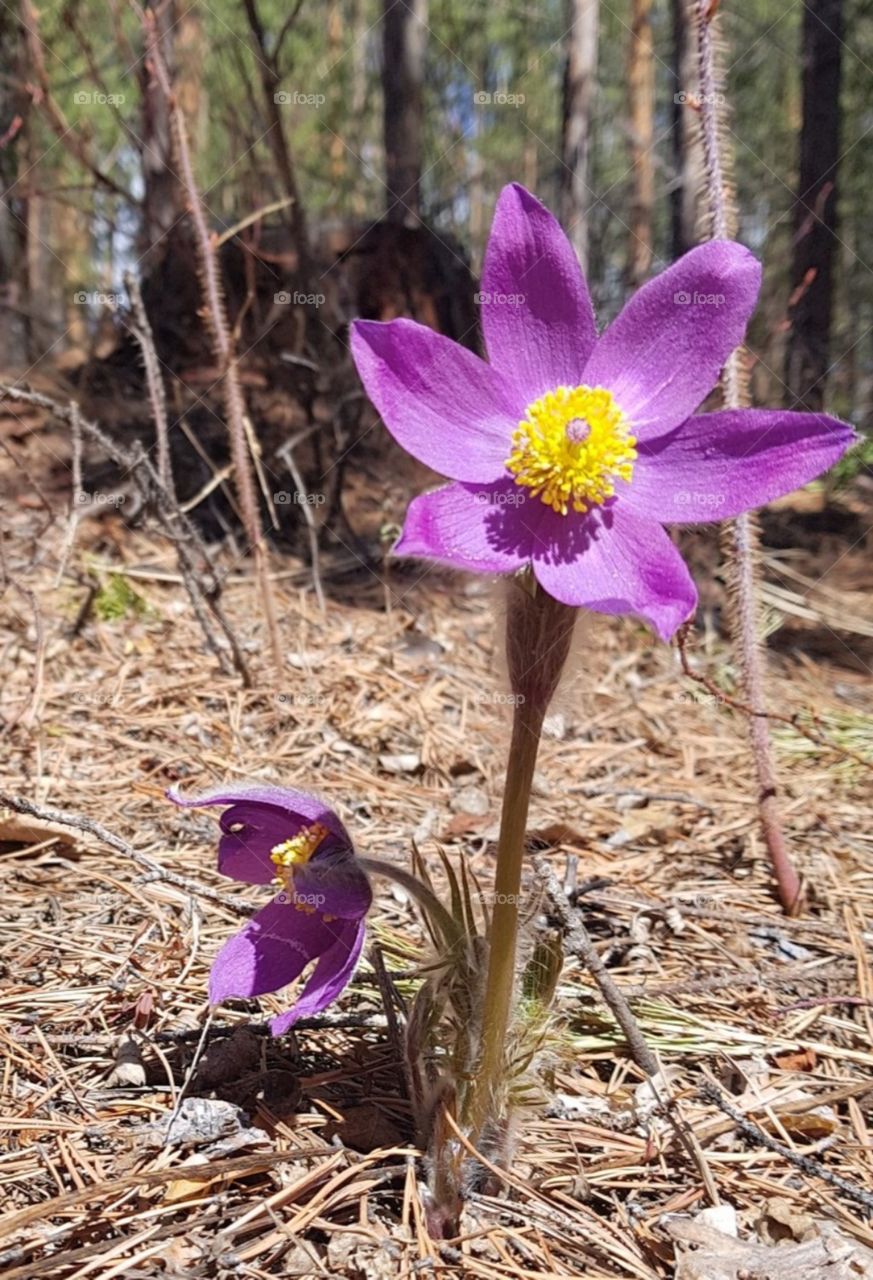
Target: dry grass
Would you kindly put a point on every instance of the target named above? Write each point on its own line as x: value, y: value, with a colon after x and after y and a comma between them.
x: 103, y: 998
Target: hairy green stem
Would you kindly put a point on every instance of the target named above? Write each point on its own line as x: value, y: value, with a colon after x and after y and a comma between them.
x: 538, y: 634
x: 503, y: 936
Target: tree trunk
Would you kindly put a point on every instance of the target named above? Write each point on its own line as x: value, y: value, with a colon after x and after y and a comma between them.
x: 180, y: 30
x: 686, y: 193
x: 641, y: 91
x: 580, y: 80
x: 16, y: 320
x: 404, y: 27
x: 358, y: 102
x: 815, y: 211
x: 162, y: 196
x: 338, y: 149
x: 270, y: 78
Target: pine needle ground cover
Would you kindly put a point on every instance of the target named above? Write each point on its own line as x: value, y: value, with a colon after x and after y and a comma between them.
x: 141, y: 1139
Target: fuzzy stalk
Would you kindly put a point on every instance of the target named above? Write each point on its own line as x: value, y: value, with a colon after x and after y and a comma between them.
x: 215, y: 315
x: 742, y: 537
x: 538, y: 634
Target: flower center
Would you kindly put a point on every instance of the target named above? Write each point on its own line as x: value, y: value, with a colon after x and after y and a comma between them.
x: 296, y: 853
x: 571, y: 447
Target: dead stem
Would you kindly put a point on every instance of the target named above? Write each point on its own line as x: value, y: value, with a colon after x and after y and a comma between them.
x: 216, y: 313
x: 743, y: 531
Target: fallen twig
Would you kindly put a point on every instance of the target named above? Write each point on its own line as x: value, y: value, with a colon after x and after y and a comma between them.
x: 287, y: 455
x: 577, y: 941
x: 814, y: 1168
x: 78, y: 822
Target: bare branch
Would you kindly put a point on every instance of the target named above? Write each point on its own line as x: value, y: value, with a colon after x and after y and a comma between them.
x: 216, y: 315
x: 55, y: 116
x: 78, y: 822
x: 142, y: 331
x: 176, y: 524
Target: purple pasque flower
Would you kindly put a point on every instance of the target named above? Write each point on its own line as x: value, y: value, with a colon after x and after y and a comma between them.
x: 291, y: 838
x: 570, y: 452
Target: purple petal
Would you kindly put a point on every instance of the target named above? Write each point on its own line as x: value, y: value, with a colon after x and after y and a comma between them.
x: 259, y: 817
x: 663, y: 354
x: 536, y: 312
x: 473, y: 527
x: 270, y: 951
x: 612, y: 562
x: 718, y: 464
x: 334, y: 884
x: 329, y: 978
x: 443, y: 404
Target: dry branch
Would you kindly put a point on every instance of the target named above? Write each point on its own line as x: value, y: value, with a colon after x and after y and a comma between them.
x: 142, y: 331
x: 78, y: 822
x: 202, y: 581
x: 215, y: 311
x: 814, y: 1168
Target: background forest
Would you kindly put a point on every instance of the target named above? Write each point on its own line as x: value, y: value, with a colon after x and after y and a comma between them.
x: 424, y: 111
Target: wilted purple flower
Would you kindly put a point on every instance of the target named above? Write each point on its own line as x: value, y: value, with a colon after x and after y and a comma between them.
x: 571, y: 451
x: 275, y: 835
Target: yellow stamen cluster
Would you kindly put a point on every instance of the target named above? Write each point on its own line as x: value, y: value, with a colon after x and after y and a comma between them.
x: 296, y: 853
x: 571, y: 447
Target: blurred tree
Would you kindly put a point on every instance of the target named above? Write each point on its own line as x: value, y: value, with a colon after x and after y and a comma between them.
x: 687, y: 185
x: 641, y: 91
x: 17, y: 320
x: 404, y: 41
x: 815, y: 210
x: 580, y: 85
x: 181, y: 38
x: 268, y: 53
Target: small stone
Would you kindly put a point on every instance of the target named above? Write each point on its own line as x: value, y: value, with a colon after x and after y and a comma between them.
x: 403, y: 762
x: 555, y: 726
x: 632, y: 801
x: 721, y: 1216
x: 470, y: 800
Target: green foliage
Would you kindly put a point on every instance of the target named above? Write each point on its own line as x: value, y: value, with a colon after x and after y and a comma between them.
x: 859, y: 459
x: 117, y: 600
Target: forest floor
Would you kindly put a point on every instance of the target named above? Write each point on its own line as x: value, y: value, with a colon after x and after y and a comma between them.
x: 296, y: 1157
